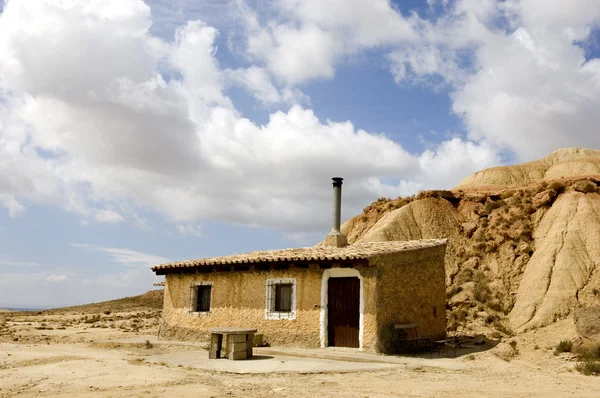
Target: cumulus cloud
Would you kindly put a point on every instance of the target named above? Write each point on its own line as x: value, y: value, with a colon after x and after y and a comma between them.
x: 153, y: 127
x: 453, y: 160
x: 258, y: 82
x: 305, y: 39
x: 518, y: 71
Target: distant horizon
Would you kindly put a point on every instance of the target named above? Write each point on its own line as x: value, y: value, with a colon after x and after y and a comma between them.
x: 49, y: 307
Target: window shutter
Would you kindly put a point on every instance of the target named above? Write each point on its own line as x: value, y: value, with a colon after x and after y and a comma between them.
x: 193, y: 291
x: 271, y: 296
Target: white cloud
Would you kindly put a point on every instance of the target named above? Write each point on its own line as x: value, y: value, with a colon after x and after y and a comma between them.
x: 453, y: 160
x: 519, y: 74
x: 10, y: 262
x: 126, y: 137
x: 195, y: 230
x: 305, y: 39
x: 154, y: 130
x: 57, y: 278
x: 108, y: 216
x: 258, y: 82
x: 125, y: 256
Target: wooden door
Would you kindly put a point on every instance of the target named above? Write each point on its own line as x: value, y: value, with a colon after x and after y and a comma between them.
x: 343, y: 307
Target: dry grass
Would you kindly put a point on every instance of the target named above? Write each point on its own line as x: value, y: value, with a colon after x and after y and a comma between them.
x: 588, y: 360
x: 563, y: 346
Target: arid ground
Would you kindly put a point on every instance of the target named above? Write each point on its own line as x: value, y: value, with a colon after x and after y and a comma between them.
x: 56, y: 353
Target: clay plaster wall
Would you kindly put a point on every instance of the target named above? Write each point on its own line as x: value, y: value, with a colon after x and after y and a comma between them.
x: 411, y: 289
x: 239, y: 299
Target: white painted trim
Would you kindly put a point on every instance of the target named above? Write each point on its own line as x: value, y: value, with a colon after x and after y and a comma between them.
x: 195, y: 297
x: 270, y: 312
x: 340, y: 273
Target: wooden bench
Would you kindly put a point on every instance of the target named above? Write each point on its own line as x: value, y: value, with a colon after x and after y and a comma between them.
x: 238, y: 343
x: 414, y: 343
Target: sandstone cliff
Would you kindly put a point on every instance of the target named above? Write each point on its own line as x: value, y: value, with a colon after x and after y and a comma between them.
x: 524, y: 240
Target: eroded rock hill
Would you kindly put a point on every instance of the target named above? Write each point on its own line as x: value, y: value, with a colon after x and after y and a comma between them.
x: 524, y: 240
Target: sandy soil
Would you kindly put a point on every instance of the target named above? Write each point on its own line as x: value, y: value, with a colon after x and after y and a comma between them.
x: 48, y: 360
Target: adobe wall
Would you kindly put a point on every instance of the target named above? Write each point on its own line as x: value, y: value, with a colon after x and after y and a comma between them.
x: 239, y: 299
x: 411, y: 289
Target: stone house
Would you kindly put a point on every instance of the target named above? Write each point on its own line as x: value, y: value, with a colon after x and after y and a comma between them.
x: 330, y: 295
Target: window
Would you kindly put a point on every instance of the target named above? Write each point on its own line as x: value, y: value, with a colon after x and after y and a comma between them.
x: 203, y: 299
x: 201, y: 293
x: 281, y: 299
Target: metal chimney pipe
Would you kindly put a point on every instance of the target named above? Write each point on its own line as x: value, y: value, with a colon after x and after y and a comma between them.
x: 336, y: 238
x: 337, y: 203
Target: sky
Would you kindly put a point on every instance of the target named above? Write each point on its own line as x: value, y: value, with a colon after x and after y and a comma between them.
x: 135, y: 133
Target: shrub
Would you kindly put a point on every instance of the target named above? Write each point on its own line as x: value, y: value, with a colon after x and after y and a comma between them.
x: 482, y: 289
x: 493, y: 205
x: 589, y: 360
x: 463, y: 276
x: 503, y: 328
x: 558, y: 186
x: 453, y: 290
x: 588, y: 368
x: 563, y: 346
x: 589, y: 352
x: 148, y: 344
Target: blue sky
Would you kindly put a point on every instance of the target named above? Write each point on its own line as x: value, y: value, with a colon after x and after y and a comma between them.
x: 133, y: 133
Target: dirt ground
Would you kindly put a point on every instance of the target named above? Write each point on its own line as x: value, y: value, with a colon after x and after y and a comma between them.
x: 52, y: 355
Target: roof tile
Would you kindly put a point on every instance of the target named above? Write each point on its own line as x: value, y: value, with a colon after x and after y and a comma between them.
x: 356, y: 251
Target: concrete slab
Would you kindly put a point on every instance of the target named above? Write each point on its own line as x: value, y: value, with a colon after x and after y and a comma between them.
x: 264, y: 364
x: 284, y: 359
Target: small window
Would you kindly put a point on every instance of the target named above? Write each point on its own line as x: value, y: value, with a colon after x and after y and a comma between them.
x: 201, y: 293
x: 281, y: 299
x: 203, y: 299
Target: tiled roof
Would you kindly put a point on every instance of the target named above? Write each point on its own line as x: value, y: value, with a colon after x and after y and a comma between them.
x: 356, y: 251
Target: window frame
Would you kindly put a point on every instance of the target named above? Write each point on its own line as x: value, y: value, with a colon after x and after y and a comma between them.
x: 194, y: 288
x: 271, y: 297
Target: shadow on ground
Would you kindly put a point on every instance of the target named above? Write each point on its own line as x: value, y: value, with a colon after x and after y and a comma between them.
x: 453, y: 348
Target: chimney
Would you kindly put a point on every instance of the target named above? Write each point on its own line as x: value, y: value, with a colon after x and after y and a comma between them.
x: 336, y: 238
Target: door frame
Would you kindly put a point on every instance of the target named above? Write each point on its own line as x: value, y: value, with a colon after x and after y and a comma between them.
x: 324, y: 321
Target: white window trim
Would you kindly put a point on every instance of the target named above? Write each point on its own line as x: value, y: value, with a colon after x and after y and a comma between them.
x: 270, y: 312
x: 195, y: 297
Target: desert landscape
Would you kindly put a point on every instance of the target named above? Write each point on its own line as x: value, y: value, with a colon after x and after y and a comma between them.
x: 522, y: 290
x: 56, y: 353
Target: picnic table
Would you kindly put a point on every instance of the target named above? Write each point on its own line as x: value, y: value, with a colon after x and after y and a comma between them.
x: 238, y: 342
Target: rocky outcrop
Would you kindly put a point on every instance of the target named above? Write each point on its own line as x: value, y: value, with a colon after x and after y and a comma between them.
x: 563, y: 163
x: 567, y: 242
x: 524, y: 240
